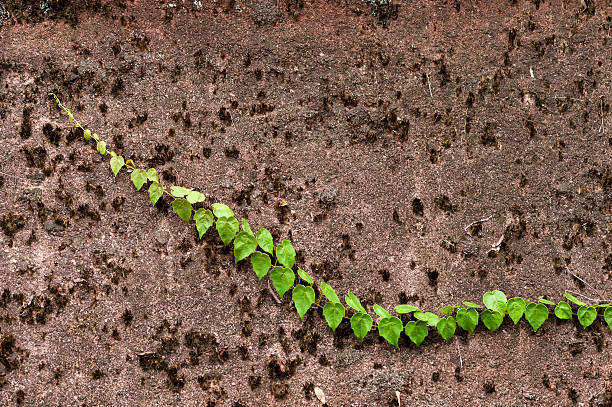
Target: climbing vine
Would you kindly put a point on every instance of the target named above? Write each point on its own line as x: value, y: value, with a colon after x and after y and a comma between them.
x: 278, y: 263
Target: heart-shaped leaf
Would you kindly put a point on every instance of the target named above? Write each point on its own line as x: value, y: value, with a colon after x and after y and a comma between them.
x: 282, y: 279
x: 139, y: 178
x: 152, y: 175
x: 246, y: 227
x: 203, y: 219
x: 516, y: 309
x: 586, y: 315
x: 329, y: 292
x: 227, y: 228
x: 353, y: 302
x: 491, y: 319
x: 285, y: 254
x: 303, y: 297
x: 304, y: 276
x: 101, y: 147
x: 333, y: 313
x: 361, y: 323
x: 155, y: 192
x: 261, y: 264
x: 244, y: 245
x: 563, y: 310
x: 536, y: 314
x: 448, y: 310
x: 390, y: 328
x: 264, y: 240
x: 180, y: 192
x: 383, y: 313
x: 116, y: 163
x: 495, y: 300
x: 417, y: 331
x: 608, y: 317
x: 406, y: 309
x: 182, y: 208
x: 446, y: 327
x: 195, y: 197
x: 429, y: 318
x: 222, y: 211
x: 467, y: 318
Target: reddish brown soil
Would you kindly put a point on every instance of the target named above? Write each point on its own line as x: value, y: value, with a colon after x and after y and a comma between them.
x: 386, y: 130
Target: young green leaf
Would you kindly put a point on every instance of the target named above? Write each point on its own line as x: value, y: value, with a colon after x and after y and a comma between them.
x: 390, y: 328
x: 608, y: 317
x: 380, y: 311
x: 261, y: 264
x: 101, y: 147
x: 130, y: 164
x: 471, y: 304
x: 448, y: 310
x: 304, y: 276
x: 182, y: 208
x: 180, y: 192
x: 155, y: 192
x: 545, y: 301
x: 95, y: 137
x: 467, y: 318
x: 536, y: 314
x: 333, y: 313
x: 303, y: 297
x: 246, y: 227
x: 353, y: 302
x: 406, y: 309
x: 285, y: 254
x: 264, y: 240
x: 495, y: 300
x: 417, y: 331
x: 227, y: 228
x: 282, y: 279
x: 491, y: 319
x: 244, y: 245
x: 87, y: 134
x: 116, y: 163
x: 195, y: 197
x: 361, y: 323
x: 429, y: 318
x: 516, y: 309
x: 574, y: 300
x: 563, y: 310
x: 203, y: 219
x: 152, y: 175
x: 586, y: 316
x: 222, y: 211
x: 446, y: 327
x: 139, y: 178
x: 329, y: 292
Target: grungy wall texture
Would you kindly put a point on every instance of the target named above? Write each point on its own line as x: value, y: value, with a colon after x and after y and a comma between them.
x: 370, y: 134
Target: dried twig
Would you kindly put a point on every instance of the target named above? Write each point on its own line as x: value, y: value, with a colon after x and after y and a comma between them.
x: 475, y: 222
x: 429, y: 85
x: 273, y: 293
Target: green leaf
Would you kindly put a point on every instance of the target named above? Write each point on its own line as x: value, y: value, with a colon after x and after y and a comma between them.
x: 222, y: 211
x: 96, y: 137
x: 516, y: 309
x: 574, y: 300
x: 282, y: 279
x: 285, y: 254
x: 586, y: 315
x: 152, y: 175
x: 382, y: 312
x: 130, y: 163
x: 417, y: 331
x: 182, y: 208
x: 545, y: 301
x: 244, y: 245
x: 390, y: 328
x: 116, y: 163
x: 429, y: 318
x: 304, y: 276
x: 361, y: 323
x: 471, y: 304
x: 264, y: 240
x: 448, y: 310
x: 195, y: 197
x: 101, y: 147
x: 353, y: 302
x: 333, y: 313
x: 467, y: 318
x: 227, y: 228
x: 446, y: 327
x: 139, y: 178
x: 155, y: 192
x: 303, y: 297
x: 329, y: 292
x: 87, y: 134
x: 563, y: 310
x: 491, y: 319
x: 608, y: 317
x: 495, y: 300
x: 180, y: 192
x: 406, y: 309
x: 261, y: 264
x: 204, y: 220
x: 536, y: 314
x: 246, y: 227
